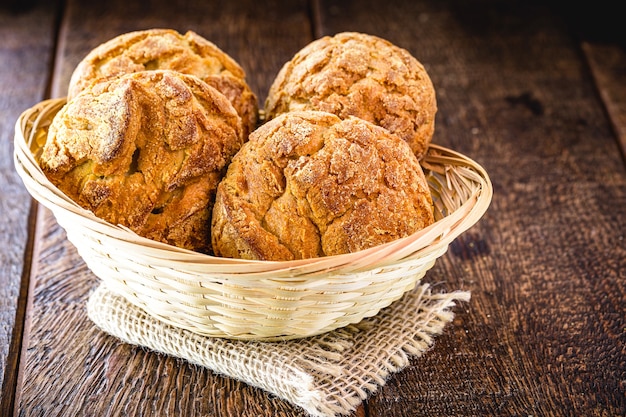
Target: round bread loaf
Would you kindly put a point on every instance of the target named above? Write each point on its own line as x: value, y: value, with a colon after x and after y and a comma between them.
x: 155, y: 49
x: 145, y: 150
x: 356, y: 74
x: 309, y: 184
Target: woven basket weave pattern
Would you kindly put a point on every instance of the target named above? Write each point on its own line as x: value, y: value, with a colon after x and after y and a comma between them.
x: 259, y: 300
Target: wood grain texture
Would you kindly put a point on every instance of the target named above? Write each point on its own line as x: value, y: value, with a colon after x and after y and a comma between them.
x: 546, y: 266
x: 27, y: 35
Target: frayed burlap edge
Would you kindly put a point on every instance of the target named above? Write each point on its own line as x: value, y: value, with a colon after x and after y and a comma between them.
x: 327, y: 375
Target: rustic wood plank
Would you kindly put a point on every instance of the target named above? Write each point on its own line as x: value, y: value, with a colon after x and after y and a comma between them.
x: 72, y: 368
x: 608, y: 66
x: 544, y: 332
x: 26, y: 49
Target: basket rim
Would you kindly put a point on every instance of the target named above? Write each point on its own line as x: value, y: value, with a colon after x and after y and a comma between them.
x: 442, y: 231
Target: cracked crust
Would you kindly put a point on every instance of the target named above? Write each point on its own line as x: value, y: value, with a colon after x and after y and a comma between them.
x: 155, y: 49
x: 308, y: 184
x: 146, y: 150
x: 356, y: 74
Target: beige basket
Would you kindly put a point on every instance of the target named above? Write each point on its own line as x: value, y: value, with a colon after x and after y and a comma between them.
x: 256, y: 299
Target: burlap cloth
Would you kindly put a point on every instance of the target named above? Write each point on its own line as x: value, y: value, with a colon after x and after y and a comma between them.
x: 327, y: 375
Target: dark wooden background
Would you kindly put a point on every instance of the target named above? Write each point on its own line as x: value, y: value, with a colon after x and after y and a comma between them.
x: 534, y: 91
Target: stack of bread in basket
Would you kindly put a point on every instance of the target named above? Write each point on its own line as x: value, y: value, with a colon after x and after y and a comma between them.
x: 218, y: 217
x: 161, y: 134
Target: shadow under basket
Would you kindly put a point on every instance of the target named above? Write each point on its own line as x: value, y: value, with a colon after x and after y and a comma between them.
x: 259, y: 300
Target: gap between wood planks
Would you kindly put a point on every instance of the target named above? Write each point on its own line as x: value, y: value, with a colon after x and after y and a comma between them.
x: 12, y: 373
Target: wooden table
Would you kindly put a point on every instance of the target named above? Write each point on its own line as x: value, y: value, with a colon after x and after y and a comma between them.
x: 534, y: 93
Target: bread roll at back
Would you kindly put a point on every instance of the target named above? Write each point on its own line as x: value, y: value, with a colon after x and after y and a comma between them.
x: 357, y: 74
x: 166, y: 49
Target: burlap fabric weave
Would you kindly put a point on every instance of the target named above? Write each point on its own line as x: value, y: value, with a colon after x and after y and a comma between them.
x: 327, y: 375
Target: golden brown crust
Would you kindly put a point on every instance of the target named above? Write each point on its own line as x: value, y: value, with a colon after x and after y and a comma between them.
x: 146, y: 150
x: 308, y: 184
x: 155, y: 49
x: 359, y: 75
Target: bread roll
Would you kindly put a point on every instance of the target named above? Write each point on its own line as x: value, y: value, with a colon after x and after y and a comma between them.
x: 145, y: 150
x: 308, y: 184
x: 356, y: 74
x: 155, y: 49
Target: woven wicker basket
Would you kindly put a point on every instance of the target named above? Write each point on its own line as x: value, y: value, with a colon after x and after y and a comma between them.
x: 259, y: 300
